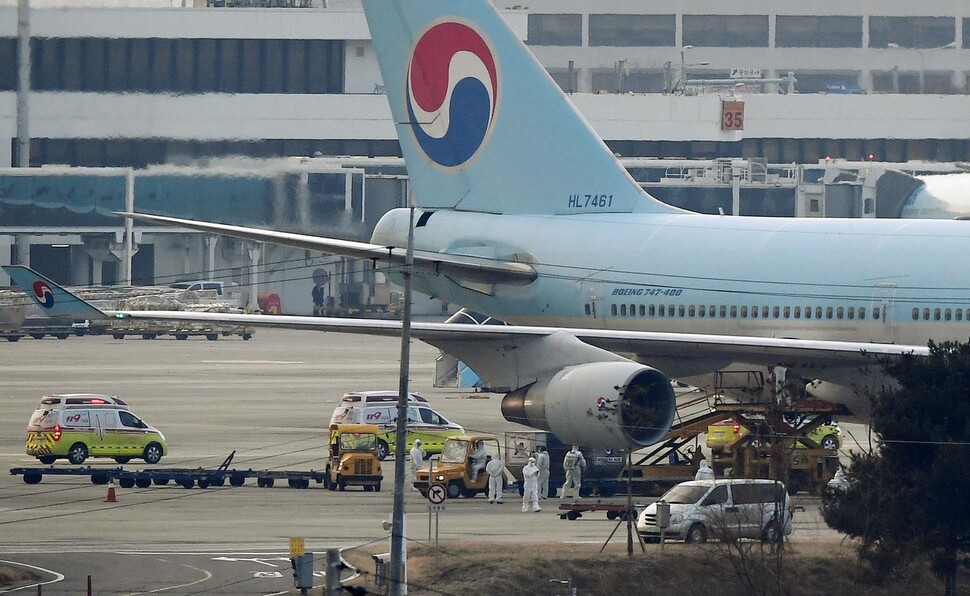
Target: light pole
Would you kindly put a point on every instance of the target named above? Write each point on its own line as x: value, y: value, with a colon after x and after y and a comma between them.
x: 683, y: 68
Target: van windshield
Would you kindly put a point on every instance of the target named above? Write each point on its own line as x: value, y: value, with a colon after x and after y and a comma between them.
x: 685, y: 494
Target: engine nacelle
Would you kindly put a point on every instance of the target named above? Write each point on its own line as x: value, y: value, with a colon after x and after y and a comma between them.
x: 608, y: 405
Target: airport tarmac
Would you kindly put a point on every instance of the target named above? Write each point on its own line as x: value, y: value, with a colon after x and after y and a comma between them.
x: 270, y: 400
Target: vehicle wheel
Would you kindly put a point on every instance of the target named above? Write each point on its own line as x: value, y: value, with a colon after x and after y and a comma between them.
x: 269, y: 482
x: 612, y: 515
x: 830, y: 442
x: 573, y: 515
x: 148, y: 335
x: 99, y: 479
x: 368, y: 488
x: 382, y: 450
x: 454, y: 489
x: 123, y: 459
x: 237, y: 480
x: 204, y: 482
x: 187, y: 482
x: 181, y: 336
x: 327, y: 484
x: 696, y: 534
x: 126, y: 482
x: 341, y: 483
x: 13, y: 338
x: 247, y: 336
x: 37, y: 335
x: 47, y: 459
x: 469, y: 493
x: 305, y: 483
x: 33, y: 478
x: 77, y: 453
x: 212, y: 336
x: 118, y: 335
x: 153, y: 453
x: 143, y: 481
x: 62, y: 335
x: 161, y: 480
x: 294, y: 482
x: 772, y: 533
x: 377, y: 487
x: 217, y: 480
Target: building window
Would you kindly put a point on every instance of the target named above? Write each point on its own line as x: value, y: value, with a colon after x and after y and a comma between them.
x: 726, y: 31
x: 818, y: 32
x: 911, y: 32
x: 631, y: 30
x: 555, y: 29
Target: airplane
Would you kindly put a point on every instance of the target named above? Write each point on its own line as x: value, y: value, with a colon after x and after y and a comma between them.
x: 522, y: 213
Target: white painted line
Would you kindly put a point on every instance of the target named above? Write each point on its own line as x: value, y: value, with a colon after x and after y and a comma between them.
x: 57, y: 577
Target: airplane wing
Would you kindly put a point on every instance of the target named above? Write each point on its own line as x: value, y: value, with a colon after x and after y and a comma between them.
x: 468, y: 268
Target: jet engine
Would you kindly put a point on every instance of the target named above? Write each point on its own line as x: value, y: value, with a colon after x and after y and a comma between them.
x: 608, y: 405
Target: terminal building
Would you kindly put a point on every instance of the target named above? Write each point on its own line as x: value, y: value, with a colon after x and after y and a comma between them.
x: 216, y: 109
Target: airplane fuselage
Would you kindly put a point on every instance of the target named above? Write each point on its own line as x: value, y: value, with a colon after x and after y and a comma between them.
x: 884, y: 281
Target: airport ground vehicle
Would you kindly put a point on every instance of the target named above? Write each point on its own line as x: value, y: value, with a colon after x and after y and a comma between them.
x: 726, y: 509
x: 353, y: 457
x: 454, y: 467
x: 380, y: 409
x: 725, y: 433
x: 78, y: 426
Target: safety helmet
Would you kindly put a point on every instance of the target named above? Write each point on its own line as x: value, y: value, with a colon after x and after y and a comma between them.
x: 532, y: 460
x: 417, y: 441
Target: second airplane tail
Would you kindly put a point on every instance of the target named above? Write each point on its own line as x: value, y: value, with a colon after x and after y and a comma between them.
x: 482, y: 125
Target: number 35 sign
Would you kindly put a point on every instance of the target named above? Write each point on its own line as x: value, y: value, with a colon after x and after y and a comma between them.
x: 732, y: 115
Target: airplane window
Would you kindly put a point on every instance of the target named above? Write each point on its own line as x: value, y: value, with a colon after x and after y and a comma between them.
x: 947, y: 315
x: 690, y: 311
x: 613, y: 309
x: 776, y: 312
x: 764, y: 312
x: 661, y: 313
x: 968, y: 314
x: 808, y: 312
x: 798, y: 312
x: 839, y: 312
x: 744, y: 312
x: 851, y: 312
x: 633, y: 310
x: 587, y: 310
x: 724, y: 312
x: 862, y: 312
x: 828, y: 313
x: 875, y: 314
x: 818, y: 312
x: 680, y: 311
x: 754, y: 312
x: 936, y: 314
x: 702, y: 311
x: 959, y: 314
x: 670, y: 310
x: 787, y: 312
x: 926, y: 314
x: 653, y: 310
x: 643, y: 310
x: 916, y: 314
x: 623, y: 310
x: 712, y: 311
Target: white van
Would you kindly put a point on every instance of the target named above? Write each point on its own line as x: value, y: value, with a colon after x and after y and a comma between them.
x: 380, y: 409
x: 731, y: 508
x: 80, y: 425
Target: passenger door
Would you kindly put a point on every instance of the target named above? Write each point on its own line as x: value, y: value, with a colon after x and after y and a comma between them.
x: 712, y: 509
x: 106, y: 435
x: 133, y: 432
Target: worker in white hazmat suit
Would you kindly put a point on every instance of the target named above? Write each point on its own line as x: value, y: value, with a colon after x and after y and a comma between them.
x: 704, y: 472
x: 495, y: 470
x: 417, y: 460
x: 530, y: 486
x: 542, y: 462
x: 477, y: 461
x: 573, y: 464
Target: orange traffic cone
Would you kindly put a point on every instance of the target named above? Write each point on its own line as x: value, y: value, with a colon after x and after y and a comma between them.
x: 111, y: 492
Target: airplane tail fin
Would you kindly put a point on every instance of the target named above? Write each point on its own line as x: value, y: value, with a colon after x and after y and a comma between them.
x: 482, y: 125
x: 53, y: 300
